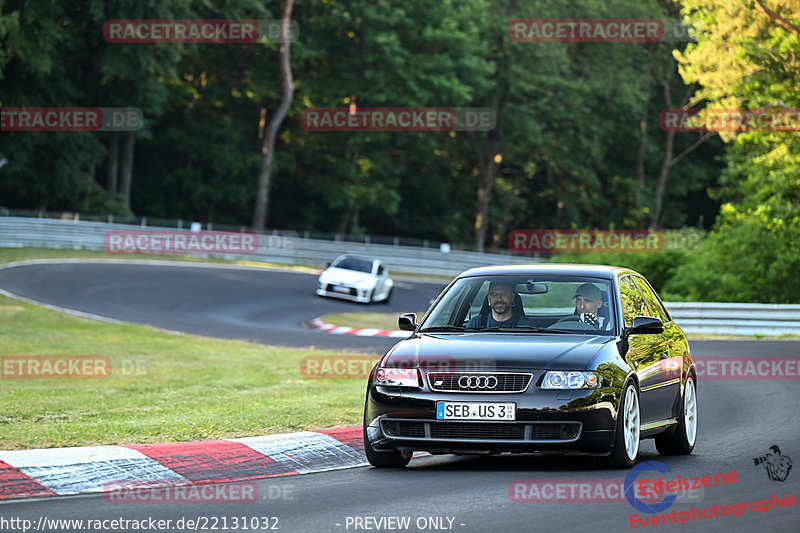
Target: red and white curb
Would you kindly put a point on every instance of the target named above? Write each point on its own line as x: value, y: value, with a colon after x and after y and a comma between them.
x: 91, y: 469
x: 320, y: 325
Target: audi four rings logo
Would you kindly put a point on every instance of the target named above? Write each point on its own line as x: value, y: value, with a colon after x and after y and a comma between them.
x: 477, y: 382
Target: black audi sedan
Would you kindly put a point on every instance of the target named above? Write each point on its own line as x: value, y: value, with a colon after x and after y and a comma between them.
x: 547, y: 359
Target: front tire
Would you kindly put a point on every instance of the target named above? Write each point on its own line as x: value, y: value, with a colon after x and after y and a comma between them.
x: 388, y: 297
x: 625, y: 449
x: 392, y: 459
x: 681, y: 441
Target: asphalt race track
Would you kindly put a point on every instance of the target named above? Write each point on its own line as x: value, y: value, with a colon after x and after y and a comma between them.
x: 257, y: 305
x: 738, y: 421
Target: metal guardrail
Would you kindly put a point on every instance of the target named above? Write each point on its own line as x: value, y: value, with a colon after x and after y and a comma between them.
x: 281, y: 247
x: 290, y: 249
x: 736, y: 318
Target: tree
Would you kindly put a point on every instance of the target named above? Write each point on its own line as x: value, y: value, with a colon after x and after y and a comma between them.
x: 271, y: 130
x: 746, y: 58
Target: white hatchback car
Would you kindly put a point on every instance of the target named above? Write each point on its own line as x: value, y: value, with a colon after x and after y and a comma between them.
x: 360, y: 279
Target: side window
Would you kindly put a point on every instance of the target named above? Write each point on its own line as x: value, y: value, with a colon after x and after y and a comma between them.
x: 632, y: 302
x: 652, y: 300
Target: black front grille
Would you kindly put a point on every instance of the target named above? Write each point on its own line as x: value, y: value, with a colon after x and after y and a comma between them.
x: 545, y: 432
x: 478, y: 431
x: 479, y: 381
x: 404, y: 429
x: 466, y: 430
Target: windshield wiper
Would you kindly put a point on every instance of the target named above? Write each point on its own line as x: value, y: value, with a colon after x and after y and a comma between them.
x: 529, y: 329
x: 448, y: 328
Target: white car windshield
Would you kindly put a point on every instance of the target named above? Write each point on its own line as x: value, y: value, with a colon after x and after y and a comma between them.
x: 353, y: 263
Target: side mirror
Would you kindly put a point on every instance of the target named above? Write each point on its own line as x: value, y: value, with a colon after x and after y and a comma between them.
x: 644, y: 325
x: 407, y: 321
x: 328, y: 264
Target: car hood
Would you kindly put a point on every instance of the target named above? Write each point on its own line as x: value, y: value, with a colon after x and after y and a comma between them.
x: 351, y: 277
x: 496, y: 350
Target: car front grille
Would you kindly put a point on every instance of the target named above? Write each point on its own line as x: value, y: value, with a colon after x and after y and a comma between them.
x: 465, y: 430
x: 481, y: 431
x: 486, y: 382
x: 350, y: 290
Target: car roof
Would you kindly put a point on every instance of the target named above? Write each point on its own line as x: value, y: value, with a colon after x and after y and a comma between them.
x: 561, y: 269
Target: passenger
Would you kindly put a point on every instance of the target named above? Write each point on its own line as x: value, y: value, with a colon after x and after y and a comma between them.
x: 588, y: 302
x: 503, y: 305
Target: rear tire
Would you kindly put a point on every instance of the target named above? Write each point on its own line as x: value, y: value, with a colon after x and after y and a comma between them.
x: 681, y: 440
x: 392, y: 459
x: 625, y: 449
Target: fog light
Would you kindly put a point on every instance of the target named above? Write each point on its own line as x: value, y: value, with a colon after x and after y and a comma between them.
x: 391, y: 428
x: 569, y: 432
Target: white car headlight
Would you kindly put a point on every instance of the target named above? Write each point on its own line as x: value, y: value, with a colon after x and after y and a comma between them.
x: 397, y: 377
x: 557, y: 379
x: 325, y: 277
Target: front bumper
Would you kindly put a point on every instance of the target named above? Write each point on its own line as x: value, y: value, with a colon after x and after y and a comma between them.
x: 354, y: 295
x: 547, y: 421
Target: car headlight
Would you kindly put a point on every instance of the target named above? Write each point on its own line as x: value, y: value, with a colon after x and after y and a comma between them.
x: 365, y: 284
x: 557, y: 379
x: 397, y: 377
x: 325, y: 277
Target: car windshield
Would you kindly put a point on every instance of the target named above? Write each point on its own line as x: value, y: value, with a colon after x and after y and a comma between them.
x: 353, y: 263
x: 552, y: 304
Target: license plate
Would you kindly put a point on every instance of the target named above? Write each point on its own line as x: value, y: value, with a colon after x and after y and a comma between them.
x: 345, y: 290
x: 475, y: 411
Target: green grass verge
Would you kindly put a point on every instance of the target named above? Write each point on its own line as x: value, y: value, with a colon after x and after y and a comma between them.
x: 163, y: 386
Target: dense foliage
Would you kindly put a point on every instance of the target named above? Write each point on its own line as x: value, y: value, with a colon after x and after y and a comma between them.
x: 567, y: 136
x: 577, y: 142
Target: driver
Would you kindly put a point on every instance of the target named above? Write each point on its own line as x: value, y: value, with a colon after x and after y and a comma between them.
x: 587, y: 302
x: 502, y: 303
